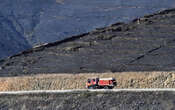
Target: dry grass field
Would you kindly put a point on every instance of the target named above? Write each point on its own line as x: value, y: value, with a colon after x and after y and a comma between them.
x: 77, y: 81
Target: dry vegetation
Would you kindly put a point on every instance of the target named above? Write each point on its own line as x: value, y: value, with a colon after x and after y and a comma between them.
x: 77, y: 81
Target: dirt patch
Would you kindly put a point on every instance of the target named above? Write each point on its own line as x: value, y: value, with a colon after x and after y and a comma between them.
x: 77, y: 81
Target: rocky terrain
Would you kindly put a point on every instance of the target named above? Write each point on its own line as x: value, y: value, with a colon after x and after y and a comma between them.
x: 90, y: 101
x: 145, y: 44
x: 27, y: 23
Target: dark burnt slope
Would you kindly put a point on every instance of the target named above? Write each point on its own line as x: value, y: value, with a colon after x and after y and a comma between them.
x: 90, y: 101
x: 11, y: 41
x: 145, y: 44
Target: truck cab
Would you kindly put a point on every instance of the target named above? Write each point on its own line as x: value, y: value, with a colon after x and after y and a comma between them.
x: 92, y: 83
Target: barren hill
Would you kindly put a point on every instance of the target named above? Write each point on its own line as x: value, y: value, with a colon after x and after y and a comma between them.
x: 11, y: 41
x: 26, y: 23
x: 145, y: 44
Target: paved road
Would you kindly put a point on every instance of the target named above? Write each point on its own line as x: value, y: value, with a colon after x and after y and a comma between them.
x: 86, y: 90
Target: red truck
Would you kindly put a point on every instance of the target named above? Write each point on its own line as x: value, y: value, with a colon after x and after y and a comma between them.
x: 101, y: 83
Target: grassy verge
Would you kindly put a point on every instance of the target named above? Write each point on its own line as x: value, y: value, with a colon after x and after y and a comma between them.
x: 77, y: 81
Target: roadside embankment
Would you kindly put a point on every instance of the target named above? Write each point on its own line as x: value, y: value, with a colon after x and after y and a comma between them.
x: 107, y: 100
x: 78, y: 81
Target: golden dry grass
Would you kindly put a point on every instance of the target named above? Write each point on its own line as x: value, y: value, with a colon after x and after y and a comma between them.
x: 77, y: 81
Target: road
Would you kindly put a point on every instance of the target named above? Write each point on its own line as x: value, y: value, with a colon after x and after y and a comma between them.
x: 87, y: 90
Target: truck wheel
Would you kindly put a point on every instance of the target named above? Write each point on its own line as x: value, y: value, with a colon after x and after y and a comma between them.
x: 91, y: 87
x: 106, y: 87
x: 110, y: 87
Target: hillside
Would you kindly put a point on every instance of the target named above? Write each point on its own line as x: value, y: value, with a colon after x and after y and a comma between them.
x: 27, y: 23
x: 90, y: 101
x: 11, y: 41
x: 145, y: 44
